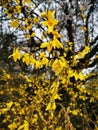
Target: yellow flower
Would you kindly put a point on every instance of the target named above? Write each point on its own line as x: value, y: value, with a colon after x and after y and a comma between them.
x: 48, y: 106
x: 28, y: 1
x: 14, y: 23
x: 42, y: 54
x: 17, y: 1
x: 35, y: 118
x: 3, y: 110
x: 8, y: 76
x: 29, y: 26
x: 84, y: 28
x: 45, y: 61
x: 26, y: 58
x: 35, y: 19
x: 26, y: 21
x: 70, y: 72
x: 48, y: 45
x: 9, y: 105
x: 81, y: 76
x: 49, y: 20
x: 25, y: 126
x: 56, y: 34
x: 58, y: 66
x: 12, y: 126
x: 55, y: 43
x: 38, y: 64
x: 83, y: 53
x: 75, y: 112
x: 87, y: 49
x: 18, y: 8
x: 16, y: 55
x: 32, y: 61
x: 51, y: 106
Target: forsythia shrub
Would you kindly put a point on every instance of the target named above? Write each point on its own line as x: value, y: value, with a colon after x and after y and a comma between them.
x: 55, y: 96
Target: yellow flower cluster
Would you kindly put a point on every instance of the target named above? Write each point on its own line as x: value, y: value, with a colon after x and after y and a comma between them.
x: 55, y: 89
